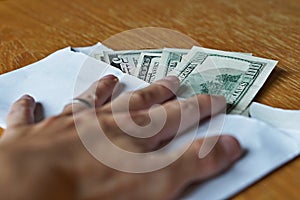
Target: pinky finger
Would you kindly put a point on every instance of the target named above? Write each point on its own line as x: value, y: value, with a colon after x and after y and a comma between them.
x: 190, y: 168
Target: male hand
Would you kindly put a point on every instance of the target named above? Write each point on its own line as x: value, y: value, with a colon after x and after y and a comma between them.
x: 47, y: 160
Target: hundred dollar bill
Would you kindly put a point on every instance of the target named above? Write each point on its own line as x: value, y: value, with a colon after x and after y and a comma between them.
x: 126, y: 61
x: 169, y: 60
x: 148, y: 66
x: 237, y: 77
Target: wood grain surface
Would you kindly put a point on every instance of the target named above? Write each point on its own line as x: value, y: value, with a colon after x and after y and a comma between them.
x: 33, y: 29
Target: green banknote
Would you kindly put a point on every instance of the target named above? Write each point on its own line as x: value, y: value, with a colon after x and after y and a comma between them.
x: 236, y: 76
x: 170, y: 58
x: 148, y: 66
x: 127, y: 61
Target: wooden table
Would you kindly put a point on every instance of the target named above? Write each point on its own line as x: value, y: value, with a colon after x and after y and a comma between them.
x: 32, y: 29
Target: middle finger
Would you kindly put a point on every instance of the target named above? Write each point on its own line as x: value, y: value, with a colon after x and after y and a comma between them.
x: 163, y: 122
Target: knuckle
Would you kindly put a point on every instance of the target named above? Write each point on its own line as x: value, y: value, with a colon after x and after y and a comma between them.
x: 190, y: 106
x: 196, y: 146
x: 144, y: 145
x: 107, y: 123
x: 161, y: 88
x: 173, y: 105
x: 92, y: 97
x: 205, y: 99
x: 141, y: 97
x: 24, y: 103
x: 212, y: 159
x: 141, y: 118
x: 69, y: 122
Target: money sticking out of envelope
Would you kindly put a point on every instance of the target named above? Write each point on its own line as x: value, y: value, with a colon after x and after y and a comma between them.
x: 270, y: 141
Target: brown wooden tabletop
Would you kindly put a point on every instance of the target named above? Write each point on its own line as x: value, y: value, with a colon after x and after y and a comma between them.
x: 33, y: 29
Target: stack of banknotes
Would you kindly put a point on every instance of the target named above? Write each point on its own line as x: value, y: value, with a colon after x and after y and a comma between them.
x: 237, y: 76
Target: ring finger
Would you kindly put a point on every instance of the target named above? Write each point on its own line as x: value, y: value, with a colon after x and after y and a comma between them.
x: 96, y: 95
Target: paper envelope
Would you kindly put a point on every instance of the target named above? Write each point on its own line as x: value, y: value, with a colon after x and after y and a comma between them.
x: 55, y: 80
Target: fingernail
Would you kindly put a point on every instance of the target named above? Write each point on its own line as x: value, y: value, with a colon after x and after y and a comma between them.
x: 111, y: 77
x: 231, y: 146
x: 173, y: 79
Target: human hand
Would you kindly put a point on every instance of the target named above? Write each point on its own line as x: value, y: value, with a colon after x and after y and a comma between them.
x: 47, y: 160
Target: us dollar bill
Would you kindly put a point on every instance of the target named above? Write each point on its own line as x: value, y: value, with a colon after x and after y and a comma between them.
x: 148, y: 66
x: 236, y: 76
x: 126, y: 61
x: 170, y: 58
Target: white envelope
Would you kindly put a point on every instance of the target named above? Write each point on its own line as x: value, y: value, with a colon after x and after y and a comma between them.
x: 56, y: 79
x: 267, y: 148
x: 53, y: 80
x: 288, y: 121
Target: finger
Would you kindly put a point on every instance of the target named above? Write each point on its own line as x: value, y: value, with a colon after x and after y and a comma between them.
x: 96, y: 95
x: 21, y: 112
x: 190, y: 168
x: 175, y: 117
x: 157, y: 93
